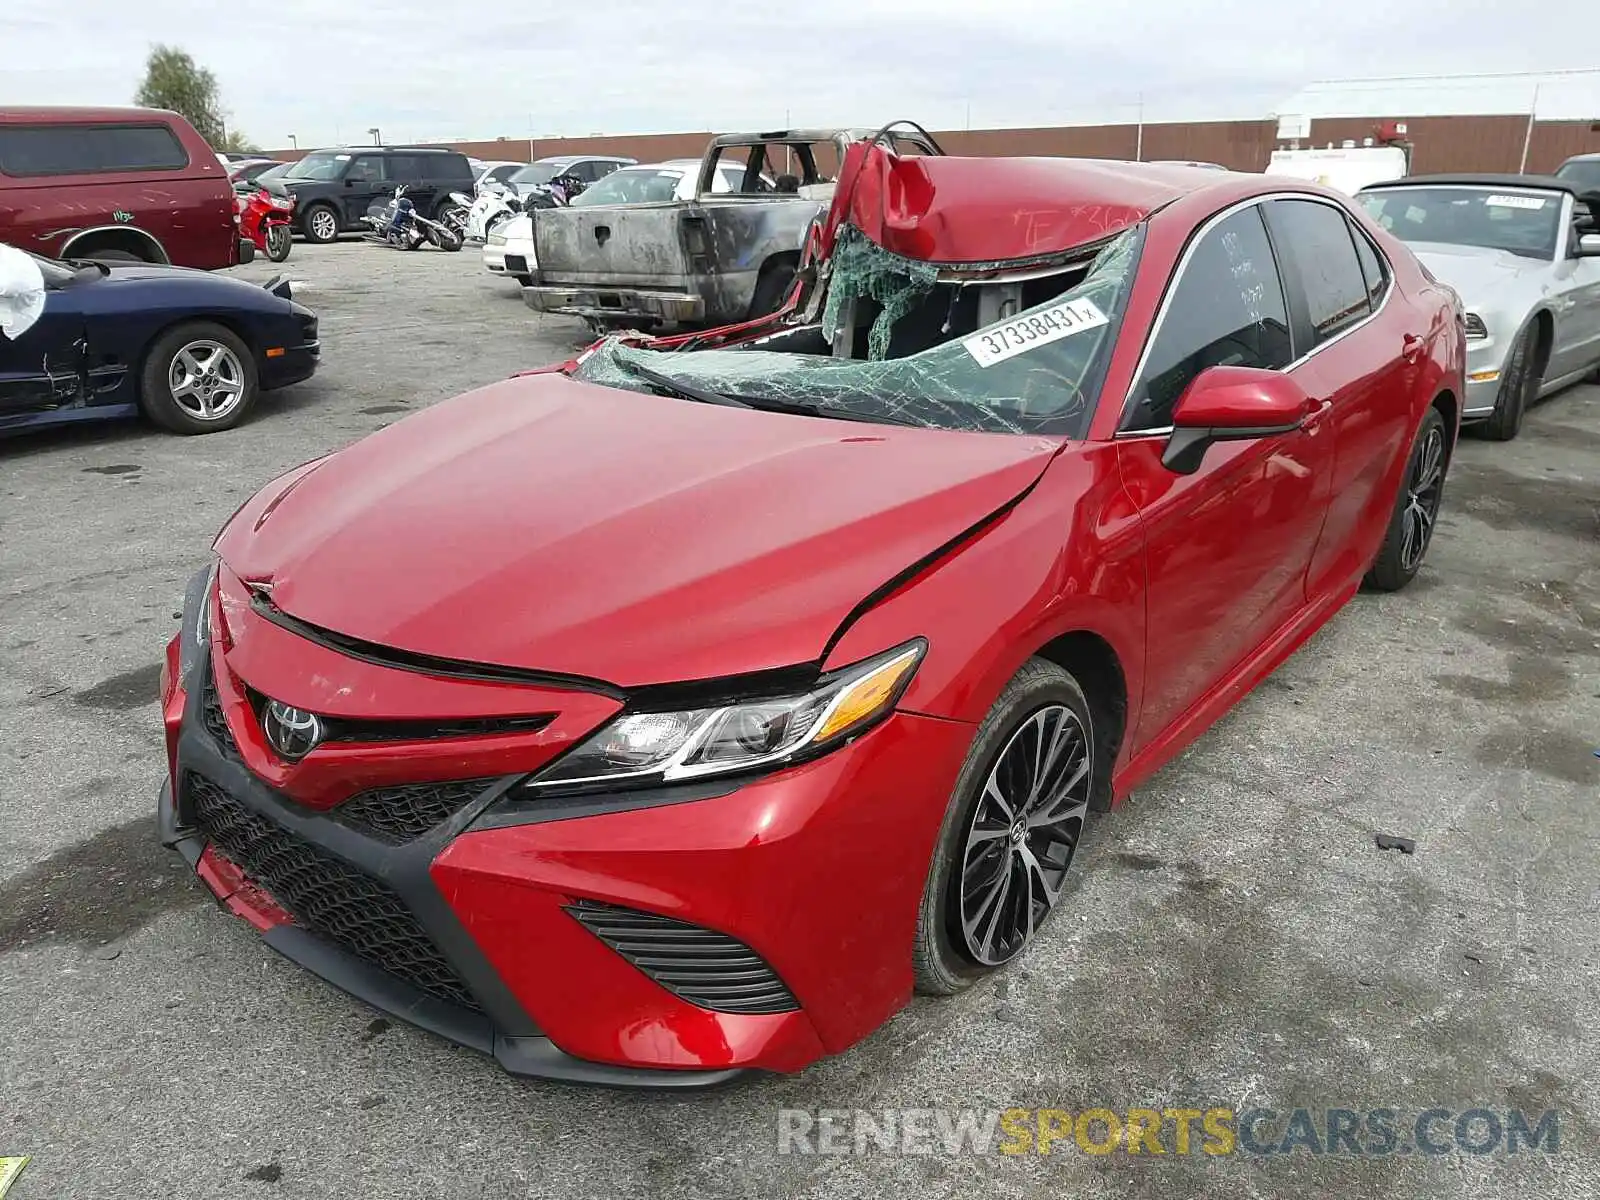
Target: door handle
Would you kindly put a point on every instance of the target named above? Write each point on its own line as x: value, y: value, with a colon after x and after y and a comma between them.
x: 1411, y: 347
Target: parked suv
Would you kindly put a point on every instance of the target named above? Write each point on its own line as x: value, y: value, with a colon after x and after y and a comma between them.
x: 1583, y: 170
x: 334, y: 188
x: 130, y: 184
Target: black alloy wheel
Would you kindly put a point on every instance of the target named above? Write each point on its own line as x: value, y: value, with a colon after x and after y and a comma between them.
x: 1424, y: 490
x: 1023, y: 833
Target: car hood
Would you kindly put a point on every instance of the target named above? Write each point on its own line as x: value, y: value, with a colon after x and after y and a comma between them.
x: 186, y: 276
x: 1474, y: 271
x: 558, y: 526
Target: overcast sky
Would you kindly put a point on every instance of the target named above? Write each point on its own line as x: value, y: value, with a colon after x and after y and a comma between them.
x: 426, y: 70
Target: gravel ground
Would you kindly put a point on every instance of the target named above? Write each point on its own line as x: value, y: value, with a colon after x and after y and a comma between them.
x: 1234, y: 937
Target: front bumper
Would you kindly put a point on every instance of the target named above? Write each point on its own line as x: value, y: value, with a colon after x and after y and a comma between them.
x: 616, y: 304
x: 818, y: 869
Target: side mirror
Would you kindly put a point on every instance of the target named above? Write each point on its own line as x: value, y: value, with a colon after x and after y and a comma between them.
x: 1589, y: 245
x: 1232, y: 404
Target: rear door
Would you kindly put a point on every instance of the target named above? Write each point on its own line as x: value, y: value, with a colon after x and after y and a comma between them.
x: 1360, y: 356
x: 1228, y: 547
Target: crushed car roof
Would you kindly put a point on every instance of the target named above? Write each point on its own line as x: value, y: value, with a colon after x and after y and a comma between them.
x: 977, y: 210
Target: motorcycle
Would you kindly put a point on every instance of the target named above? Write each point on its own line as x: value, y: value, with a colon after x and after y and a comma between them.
x: 400, y: 225
x: 476, y: 218
x: 265, y: 216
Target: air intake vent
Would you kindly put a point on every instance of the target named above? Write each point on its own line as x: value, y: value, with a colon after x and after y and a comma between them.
x: 211, y: 715
x: 708, y: 969
x: 402, y: 814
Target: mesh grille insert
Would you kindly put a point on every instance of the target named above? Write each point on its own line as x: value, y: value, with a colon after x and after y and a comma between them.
x: 401, y: 814
x: 706, y: 968
x: 211, y: 714
x: 324, y: 893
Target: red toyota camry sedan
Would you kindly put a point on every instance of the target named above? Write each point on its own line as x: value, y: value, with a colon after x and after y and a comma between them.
x: 681, y: 709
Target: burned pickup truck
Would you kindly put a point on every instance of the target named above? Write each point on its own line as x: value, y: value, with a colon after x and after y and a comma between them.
x: 721, y: 257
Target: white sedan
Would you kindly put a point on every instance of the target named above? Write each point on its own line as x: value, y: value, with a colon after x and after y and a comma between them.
x: 509, y: 249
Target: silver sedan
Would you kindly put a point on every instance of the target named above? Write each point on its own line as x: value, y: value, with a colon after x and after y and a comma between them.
x: 1523, y: 252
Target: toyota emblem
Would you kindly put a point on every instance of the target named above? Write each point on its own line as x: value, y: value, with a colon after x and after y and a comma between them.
x: 292, y: 732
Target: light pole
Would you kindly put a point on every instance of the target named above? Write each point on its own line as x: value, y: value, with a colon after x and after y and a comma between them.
x: 294, y: 141
x: 377, y: 137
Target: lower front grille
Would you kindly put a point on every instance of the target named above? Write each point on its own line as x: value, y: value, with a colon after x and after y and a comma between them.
x: 516, y: 264
x: 706, y: 968
x: 404, y: 813
x: 325, y: 894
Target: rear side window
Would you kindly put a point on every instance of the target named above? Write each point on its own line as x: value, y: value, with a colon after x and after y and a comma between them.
x: 1373, y: 270
x: 445, y: 166
x: 88, y: 149
x: 1226, y: 309
x: 1319, y: 238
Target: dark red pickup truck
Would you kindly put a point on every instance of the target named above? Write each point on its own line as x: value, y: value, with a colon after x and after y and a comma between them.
x: 115, y: 183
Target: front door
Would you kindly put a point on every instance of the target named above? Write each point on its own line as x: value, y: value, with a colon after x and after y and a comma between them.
x: 43, y: 368
x: 1226, y: 548
x: 1576, y: 301
x: 365, y: 180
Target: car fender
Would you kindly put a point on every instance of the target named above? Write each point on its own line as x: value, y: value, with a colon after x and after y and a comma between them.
x: 1068, y: 558
x: 142, y: 235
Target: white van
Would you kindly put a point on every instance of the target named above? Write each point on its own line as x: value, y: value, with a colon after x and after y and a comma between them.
x: 1346, y: 169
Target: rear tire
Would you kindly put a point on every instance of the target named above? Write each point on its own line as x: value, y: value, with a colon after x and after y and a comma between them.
x: 1519, y: 384
x: 111, y: 256
x: 198, y: 378
x: 772, y: 288
x: 320, y: 224
x: 980, y: 852
x: 1416, y: 508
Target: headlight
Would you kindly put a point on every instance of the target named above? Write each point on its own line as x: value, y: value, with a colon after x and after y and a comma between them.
x: 645, y: 748
x: 1475, y: 328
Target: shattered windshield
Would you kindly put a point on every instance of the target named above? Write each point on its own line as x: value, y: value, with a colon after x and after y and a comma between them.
x: 1035, y: 372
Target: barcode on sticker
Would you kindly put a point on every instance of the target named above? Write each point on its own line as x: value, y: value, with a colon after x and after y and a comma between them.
x: 1515, y: 201
x: 1021, y: 334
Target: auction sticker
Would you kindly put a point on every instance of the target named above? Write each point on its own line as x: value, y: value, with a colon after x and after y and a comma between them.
x: 1021, y: 334
x: 10, y: 1168
x: 1515, y: 201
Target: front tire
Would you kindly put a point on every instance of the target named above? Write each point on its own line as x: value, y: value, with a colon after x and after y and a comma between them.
x: 279, y: 242
x: 1416, y: 509
x: 321, y: 224
x: 198, y: 378
x: 1011, y: 830
x: 1519, y: 384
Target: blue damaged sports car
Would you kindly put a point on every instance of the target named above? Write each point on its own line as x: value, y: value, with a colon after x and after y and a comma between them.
x: 189, y: 349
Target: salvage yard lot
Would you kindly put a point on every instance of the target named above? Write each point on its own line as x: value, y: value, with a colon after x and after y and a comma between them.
x: 1232, y: 936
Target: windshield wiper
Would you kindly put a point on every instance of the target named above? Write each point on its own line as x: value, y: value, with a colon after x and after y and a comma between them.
x: 800, y: 408
x: 687, y: 390
x: 763, y: 403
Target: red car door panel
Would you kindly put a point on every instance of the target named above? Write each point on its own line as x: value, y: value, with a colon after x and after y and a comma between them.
x: 1226, y: 551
